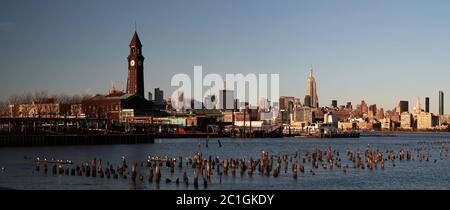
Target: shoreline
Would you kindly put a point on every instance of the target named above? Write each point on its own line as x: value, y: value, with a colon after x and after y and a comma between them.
x: 419, y: 132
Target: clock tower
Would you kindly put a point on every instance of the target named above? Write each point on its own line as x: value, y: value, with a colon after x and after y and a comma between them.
x: 135, y: 83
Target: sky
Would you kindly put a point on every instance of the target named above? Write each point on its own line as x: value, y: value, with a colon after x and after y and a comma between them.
x: 380, y: 51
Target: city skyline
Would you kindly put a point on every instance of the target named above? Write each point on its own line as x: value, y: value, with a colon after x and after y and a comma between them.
x: 74, y: 55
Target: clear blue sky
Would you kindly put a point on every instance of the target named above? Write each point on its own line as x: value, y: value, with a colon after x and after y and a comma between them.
x: 380, y: 51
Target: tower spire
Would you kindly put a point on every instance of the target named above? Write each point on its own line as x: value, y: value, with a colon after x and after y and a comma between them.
x: 135, y: 82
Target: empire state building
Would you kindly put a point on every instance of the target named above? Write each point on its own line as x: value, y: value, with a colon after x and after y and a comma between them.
x: 311, y: 98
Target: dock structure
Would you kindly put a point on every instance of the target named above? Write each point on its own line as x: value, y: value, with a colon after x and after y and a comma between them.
x: 325, y: 135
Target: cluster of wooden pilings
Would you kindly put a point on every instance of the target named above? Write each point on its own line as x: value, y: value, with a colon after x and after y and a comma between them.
x: 197, y: 171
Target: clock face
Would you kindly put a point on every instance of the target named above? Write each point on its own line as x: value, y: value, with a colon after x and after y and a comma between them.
x: 132, y: 62
x: 139, y: 63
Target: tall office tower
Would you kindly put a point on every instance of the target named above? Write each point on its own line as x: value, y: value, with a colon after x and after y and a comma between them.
x: 311, y: 90
x: 427, y: 104
x: 349, y: 105
x: 150, y: 96
x: 159, y: 96
x: 307, y: 101
x: 363, y: 108
x: 418, y: 108
x: 334, y: 103
x: 403, y: 106
x: 441, y: 103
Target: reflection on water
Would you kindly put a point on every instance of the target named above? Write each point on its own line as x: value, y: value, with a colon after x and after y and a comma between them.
x: 19, y: 171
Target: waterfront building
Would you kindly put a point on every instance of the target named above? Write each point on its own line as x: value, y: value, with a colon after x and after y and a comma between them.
x: 311, y: 91
x: 110, y: 106
x: 331, y: 119
x: 42, y: 108
x: 364, y: 125
x: 132, y: 103
x: 427, y: 104
x: 441, y: 103
x: 347, y: 125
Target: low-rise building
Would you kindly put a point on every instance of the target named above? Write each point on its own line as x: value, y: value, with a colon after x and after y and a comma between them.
x: 110, y: 106
x: 45, y: 108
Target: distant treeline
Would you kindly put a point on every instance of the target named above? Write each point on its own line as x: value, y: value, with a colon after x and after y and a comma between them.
x: 40, y: 97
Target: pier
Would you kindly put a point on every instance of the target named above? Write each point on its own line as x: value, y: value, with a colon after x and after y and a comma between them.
x: 330, y: 135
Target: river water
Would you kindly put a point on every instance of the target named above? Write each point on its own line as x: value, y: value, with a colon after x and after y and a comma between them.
x: 19, y: 168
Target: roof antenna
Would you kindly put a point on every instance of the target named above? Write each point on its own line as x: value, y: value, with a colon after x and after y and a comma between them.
x: 310, y: 69
x: 135, y: 27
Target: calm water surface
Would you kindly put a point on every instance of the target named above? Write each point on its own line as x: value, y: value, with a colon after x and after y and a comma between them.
x: 433, y: 174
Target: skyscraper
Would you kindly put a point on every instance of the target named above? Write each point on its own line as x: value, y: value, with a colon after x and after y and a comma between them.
x: 363, y: 108
x: 373, y: 109
x: 441, y: 103
x: 307, y: 101
x: 418, y: 108
x: 150, y: 96
x: 349, y: 105
x: 334, y: 103
x: 159, y: 96
x: 427, y: 104
x: 403, y: 106
x: 135, y: 83
x: 311, y: 90
x: 226, y: 100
